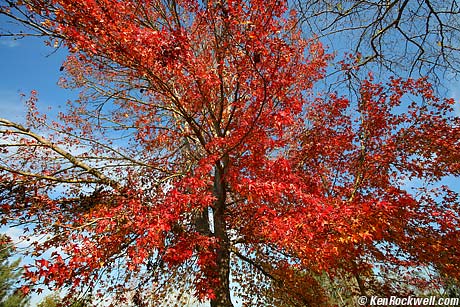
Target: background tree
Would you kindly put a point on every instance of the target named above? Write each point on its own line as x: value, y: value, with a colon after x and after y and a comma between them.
x: 401, y: 37
x: 54, y: 300
x: 51, y: 300
x: 199, y: 159
x: 10, y: 275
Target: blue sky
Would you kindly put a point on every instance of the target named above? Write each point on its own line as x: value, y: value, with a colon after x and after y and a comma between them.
x: 25, y: 65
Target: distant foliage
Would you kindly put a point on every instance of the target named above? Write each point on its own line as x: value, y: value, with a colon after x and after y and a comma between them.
x: 54, y: 300
x: 10, y: 275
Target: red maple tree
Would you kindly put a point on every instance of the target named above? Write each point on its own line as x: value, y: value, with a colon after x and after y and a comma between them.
x: 199, y: 157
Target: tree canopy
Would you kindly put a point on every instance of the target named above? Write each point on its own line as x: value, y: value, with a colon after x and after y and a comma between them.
x: 201, y: 160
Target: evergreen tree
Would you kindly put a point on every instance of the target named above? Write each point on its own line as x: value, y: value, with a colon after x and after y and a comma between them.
x: 54, y: 300
x: 10, y: 273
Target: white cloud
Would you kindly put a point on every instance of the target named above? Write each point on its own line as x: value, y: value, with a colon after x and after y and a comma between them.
x: 10, y: 43
x: 11, y: 106
x: 454, y: 92
x: 457, y: 107
x: 14, y: 233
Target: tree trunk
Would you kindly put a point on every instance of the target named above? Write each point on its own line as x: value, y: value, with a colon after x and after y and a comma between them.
x: 222, y: 288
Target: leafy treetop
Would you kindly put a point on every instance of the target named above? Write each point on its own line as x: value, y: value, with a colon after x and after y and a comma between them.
x: 199, y: 156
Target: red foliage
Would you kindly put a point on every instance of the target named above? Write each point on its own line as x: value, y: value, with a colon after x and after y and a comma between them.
x: 217, y: 118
